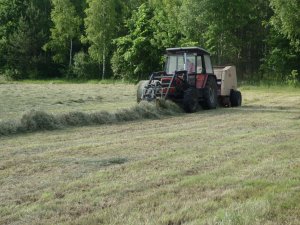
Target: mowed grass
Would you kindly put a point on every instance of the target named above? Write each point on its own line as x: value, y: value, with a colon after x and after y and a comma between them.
x: 224, y: 166
x: 18, y: 98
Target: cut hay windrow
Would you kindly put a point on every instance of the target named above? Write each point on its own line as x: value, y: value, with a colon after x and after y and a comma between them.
x: 34, y: 121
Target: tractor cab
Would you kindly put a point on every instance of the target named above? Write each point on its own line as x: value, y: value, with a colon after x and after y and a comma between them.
x: 189, y: 59
x: 193, y: 61
x: 179, y: 62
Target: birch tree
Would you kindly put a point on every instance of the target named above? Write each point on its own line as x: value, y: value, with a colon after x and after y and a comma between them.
x: 66, y: 27
x: 100, y: 28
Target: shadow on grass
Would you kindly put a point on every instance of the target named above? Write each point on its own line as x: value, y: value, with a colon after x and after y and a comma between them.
x: 92, y: 162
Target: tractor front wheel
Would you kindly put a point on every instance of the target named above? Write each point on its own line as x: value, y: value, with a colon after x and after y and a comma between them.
x: 210, y: 94
x: 140, y: 89
x: 190, y: 100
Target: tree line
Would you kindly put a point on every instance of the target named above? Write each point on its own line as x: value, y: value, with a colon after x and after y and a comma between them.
x: 126, y: 39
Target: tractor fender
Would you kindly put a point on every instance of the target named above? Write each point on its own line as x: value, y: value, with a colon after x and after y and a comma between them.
x: 210, y: 75
x: 201, y: 80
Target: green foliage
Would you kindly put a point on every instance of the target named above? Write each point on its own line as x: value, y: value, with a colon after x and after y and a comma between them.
x: 136, y: 56
x: 12, y: 74
x: 100, y: 29
x: 84, y: 67
x: 286, y: 20
x: 66, y: 28
x: 167, y: 24
x: 281, y: 58
x: 282, y: 55
x: 23, y: 37
x: 293, y: 78
x: 129, y: 37
x: 10, y: 12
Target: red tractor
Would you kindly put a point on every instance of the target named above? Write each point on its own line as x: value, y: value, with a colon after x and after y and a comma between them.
x: 190, y: 80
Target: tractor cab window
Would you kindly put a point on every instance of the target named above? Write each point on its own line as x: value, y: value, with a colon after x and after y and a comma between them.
x: 176, y: 63
x: 191, y: 63
x: 208, y: 65
x: 199, y: 65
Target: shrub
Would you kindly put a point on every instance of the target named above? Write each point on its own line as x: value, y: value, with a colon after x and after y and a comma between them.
x: 12, y: 74
x: 84, y: 67
x: 293, y: 78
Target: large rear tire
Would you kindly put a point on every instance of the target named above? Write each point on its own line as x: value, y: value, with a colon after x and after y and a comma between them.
x: 235, y: 98
x: 140, y: 89
x: 210, y: 94
x: 190, y: 100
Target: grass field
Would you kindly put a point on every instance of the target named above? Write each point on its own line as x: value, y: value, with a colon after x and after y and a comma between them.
x: 224, y: 166
x: 17, y: 98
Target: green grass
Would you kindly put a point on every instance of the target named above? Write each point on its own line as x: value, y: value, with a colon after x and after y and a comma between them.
x: 224, y: 166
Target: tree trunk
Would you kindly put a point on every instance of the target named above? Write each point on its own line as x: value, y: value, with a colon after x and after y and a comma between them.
x: 103, y: 69
x: 71, y: 53
x: 99, y: 67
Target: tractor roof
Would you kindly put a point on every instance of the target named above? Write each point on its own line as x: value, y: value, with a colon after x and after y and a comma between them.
x: 197, y: 50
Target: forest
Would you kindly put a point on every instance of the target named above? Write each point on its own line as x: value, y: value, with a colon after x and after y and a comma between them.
x: 126, y: 39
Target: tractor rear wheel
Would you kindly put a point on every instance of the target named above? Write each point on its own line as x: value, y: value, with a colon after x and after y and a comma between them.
x: 210, y: 94
x: 190, y: 100
x: 140, y: 89
x: 235, y: 98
